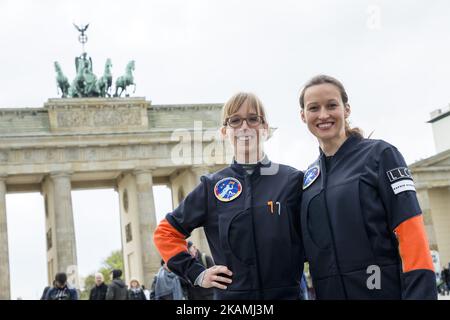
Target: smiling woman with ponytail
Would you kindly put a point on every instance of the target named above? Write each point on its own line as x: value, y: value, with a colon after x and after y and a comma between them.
x: 362, y: 225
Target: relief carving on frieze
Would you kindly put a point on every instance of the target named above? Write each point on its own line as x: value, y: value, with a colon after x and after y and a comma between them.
x: 105, y: 117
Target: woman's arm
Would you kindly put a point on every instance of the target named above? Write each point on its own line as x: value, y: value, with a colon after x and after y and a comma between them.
x: 171, y: 233
x: 398, y: 194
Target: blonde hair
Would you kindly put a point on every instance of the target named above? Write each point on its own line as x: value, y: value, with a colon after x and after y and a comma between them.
x: 98, y: 274
x: 236, y: 101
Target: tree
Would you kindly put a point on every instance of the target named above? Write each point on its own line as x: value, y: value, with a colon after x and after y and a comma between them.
x: 89, y: 283
x: 113, y: 261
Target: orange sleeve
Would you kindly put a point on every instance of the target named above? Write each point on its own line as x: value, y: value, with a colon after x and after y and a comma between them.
x: 413, y: 245
x: 168, y: 240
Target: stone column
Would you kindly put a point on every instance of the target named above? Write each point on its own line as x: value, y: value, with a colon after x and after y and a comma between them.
x: 147, y: 223
x: 66, y: 254
x: 424, y: 201
x: 198, y: 171
x: 5, y: 288
x: 200, y: 237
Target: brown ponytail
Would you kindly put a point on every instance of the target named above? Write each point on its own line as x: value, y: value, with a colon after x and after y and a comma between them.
x: 355, y: 131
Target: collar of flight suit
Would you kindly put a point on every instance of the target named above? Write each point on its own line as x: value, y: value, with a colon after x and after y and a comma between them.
x: 348, y: 145
x: 263, y: 163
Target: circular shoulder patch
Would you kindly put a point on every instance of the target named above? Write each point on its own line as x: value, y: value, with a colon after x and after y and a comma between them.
x: 310, y: 176
x: 227, y: 189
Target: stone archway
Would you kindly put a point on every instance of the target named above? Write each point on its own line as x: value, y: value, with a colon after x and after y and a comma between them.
x: 432, y: 178
x: 126, y: 144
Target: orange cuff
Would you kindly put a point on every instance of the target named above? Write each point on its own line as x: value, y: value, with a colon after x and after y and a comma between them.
x: 413, y: 245
x: 168, y: 240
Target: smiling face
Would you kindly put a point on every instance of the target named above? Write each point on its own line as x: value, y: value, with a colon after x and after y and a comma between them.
x: 247, y: 139
x: 325, y: 113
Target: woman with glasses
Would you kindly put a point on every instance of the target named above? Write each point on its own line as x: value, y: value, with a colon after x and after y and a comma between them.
x: 362, y: 226
x: 250, y: 215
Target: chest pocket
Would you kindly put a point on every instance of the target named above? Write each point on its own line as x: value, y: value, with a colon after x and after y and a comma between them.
x: 318, y: 223
x: 349, y: 225
x: 269, y: 228
x: 273, y: 226
x: 236, y: 233
x: 239, y: 237
x: 236, y: 243
x: 335, y: 230
x: 317, y: 237
x: 279, y: 244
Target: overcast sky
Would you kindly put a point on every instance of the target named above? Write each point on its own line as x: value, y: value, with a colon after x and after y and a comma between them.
x: 392, y: 56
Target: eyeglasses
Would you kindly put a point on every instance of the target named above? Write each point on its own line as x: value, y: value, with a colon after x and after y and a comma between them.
x: 236, y: 121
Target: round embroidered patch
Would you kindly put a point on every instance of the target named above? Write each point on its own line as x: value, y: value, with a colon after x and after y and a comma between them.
x: 227, y: 189
x: 310, y: 176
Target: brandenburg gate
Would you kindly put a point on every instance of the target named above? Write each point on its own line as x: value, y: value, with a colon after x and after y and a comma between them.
x: 91, y: 138
x: 123, y: 143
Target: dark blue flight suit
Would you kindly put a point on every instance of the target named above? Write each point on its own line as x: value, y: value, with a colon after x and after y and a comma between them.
x: 259, y: 242
x: 348, y: 216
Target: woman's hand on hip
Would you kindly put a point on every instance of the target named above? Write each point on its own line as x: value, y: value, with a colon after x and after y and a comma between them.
x: 217, y: 276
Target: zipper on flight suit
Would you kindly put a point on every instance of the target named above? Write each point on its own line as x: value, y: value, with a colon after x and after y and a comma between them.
x: 249, y: 184
x: 324, y: 188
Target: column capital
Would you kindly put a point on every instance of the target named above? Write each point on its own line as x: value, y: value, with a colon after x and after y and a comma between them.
x: 200, y: 170
x: 143, y: 176
x: 422, y: 186
x: 142, y: 170
x: 60, y: 174
x: 3, y: 177
x: 121, y: 176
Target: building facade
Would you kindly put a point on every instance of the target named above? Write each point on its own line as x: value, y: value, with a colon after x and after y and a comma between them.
x: 432, y: 178
x: 123, y: 143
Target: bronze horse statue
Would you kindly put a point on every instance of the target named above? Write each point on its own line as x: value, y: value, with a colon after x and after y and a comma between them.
x: 61, y: 81
x: 126, y: 80
x: 77, y: 88
x: 104, y: 84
